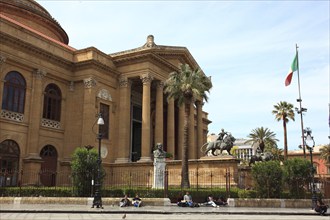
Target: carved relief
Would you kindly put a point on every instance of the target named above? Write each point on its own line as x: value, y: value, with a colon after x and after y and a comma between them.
x: 104, y: 94
x: 89, y: 82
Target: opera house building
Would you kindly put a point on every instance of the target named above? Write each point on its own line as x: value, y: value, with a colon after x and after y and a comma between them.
x: 51, y: 94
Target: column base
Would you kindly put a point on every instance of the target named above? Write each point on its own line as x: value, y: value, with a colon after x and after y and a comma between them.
x: 122, y: 160
x: 145, y: 159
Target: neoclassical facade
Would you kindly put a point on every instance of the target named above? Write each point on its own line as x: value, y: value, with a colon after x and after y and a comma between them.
x: 51, y: 94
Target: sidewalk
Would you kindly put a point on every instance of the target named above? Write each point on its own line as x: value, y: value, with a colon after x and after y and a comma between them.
x: 73, y: 208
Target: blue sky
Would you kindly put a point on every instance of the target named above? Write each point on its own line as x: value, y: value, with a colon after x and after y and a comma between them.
x: 246, y: 46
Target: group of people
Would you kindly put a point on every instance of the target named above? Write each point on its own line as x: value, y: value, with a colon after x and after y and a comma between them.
x: 221, y: 201
x: 186, y: 201
x: 136, y: 201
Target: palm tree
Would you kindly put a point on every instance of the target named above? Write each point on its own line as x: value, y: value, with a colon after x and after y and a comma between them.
x: 325, y: 154
x: 284, y: 111
x: 263, y: 137
x: 187, y: 86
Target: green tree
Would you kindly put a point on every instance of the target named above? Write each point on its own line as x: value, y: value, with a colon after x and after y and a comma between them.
x: 284, y: 111
x: 264, y: 137
x: 267, y: 177
x: 297, y: 174
x: 187, y: 86
x: 325, y: 153
x: 84, y: 170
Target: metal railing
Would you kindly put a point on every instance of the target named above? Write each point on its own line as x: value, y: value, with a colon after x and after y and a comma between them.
x: 131, y: 179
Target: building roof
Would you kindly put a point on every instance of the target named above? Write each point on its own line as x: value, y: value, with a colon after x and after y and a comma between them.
x: 33, y: 15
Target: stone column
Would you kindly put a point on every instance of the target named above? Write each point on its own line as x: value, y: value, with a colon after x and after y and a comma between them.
x: 35, y: 114
x: 180, y: 130
x: 89, y: 114
x: 199, y: 105
x: 145, y: 140
x: 124, y: 120
x: 191, y: 134
x: 159, y: 124
x: 171, y: 127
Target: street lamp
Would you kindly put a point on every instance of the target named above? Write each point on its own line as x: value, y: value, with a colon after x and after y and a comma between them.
x: 310, y: 138
x: 97, y: 196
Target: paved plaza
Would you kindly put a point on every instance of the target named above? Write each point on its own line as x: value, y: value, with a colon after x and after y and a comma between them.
x: 66, y: 212
x: 141, y: 216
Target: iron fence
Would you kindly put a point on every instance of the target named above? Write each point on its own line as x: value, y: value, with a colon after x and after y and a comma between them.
x: 142, y: 179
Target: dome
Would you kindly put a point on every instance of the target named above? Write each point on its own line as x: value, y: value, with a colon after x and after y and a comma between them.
x: 33, y: 15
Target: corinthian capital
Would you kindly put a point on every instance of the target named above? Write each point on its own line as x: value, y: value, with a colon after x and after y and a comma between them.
x: 89, y: 82
x: 124, y: 81
x: 160, y: 84
x: 146, y: 78
x: 39, y: 73
x: 2, y: 59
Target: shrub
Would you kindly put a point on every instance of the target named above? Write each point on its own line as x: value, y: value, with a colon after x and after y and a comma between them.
x: 297, y: 174
x: 268, y: 179
x: 84, y: 170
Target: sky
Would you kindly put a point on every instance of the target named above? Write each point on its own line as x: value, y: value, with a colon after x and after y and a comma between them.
x: 247, y: 48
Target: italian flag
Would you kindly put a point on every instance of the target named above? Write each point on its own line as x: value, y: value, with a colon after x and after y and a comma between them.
x: 294, y: 67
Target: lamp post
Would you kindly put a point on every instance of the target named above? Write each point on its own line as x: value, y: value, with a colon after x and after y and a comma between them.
x: 97, y: 196
x: 310, y: 138
x: 300, y: 111
x: 89, y: 172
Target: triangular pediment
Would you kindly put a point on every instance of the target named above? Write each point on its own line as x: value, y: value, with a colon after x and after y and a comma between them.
x: 171, y: 56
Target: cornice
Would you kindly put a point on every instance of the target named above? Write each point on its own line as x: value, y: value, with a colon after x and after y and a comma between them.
x: 100, y: 66
x: 29, y: 48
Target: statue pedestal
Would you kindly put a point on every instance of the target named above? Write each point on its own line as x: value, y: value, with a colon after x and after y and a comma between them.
x: 159, y: 173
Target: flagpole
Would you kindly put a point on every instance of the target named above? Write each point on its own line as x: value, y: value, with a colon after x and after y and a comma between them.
x: 301, y: 109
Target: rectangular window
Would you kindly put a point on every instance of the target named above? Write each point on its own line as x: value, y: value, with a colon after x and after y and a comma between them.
x: 104, y: 129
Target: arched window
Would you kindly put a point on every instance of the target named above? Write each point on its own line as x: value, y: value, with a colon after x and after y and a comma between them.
x: 9, y: 161
x: 52, y: 103
x: 13, y: 97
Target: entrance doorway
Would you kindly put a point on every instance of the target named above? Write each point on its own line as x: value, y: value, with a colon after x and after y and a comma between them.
x: 136, y: 133
x: 136, y: 141
x: 49, y: 166
x: 9, y: 159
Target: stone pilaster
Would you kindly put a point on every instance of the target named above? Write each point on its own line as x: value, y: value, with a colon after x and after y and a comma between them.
x: 171, y: 128
x: 159, y: 124
x: 145, y: 140
x: 124, y: 119
x: 89, y: 116
x: 35, y: 114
